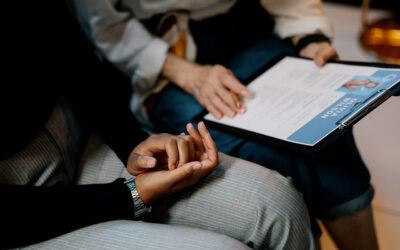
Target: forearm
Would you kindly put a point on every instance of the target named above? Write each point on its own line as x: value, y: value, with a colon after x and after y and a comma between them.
x: 179, y: 70
x: 123, y: 40
x: 33, y: 214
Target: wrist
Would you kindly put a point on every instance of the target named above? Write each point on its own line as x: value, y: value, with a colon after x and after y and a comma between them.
x: 295, y: 39
x: 140, y: 208
x: 179, y: 71
x: 302, y: 41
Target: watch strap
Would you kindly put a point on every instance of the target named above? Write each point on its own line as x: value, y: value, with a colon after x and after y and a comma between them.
x: 140, y: 208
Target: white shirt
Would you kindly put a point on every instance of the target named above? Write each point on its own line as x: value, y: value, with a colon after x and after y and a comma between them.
x: 115, y: 28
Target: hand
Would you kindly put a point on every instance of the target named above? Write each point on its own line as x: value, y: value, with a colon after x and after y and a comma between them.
x: 159, y: 150
x: 159, y: 182
x: 321, y: 52
x: 210, y: 85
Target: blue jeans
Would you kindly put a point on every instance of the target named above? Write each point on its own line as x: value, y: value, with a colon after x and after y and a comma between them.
x: 334, y: 182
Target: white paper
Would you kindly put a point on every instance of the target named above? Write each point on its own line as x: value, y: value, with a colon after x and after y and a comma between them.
x: 290, y: 94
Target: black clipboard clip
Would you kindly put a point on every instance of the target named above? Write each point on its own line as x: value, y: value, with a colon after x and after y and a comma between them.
x: 378, y: 97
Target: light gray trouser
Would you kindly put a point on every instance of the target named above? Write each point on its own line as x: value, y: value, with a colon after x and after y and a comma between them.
x: 239, y: 205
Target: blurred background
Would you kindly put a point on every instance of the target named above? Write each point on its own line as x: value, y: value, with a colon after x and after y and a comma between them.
x: 378, y: 134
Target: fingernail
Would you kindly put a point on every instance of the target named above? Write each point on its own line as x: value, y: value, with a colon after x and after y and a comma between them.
x: 151, y: 162
x: 242, y: 110
x: 231, y: 114
x: 197, y: 166
x: 244, y: 92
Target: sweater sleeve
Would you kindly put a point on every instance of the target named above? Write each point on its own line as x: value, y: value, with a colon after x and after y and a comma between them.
x: 294, y: 17
x: 32, y: 214
x: 123, y: 40
x: 67, y: 66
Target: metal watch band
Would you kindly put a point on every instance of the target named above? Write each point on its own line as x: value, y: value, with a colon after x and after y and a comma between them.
x: 140, y: 208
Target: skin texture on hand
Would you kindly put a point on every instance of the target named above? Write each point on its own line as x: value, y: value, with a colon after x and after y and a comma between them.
x: 320, y: 52
x: 210, y: 85
x: 161, y: 181
x: 164, y: 149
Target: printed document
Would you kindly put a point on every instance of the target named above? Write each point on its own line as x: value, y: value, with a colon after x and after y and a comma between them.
x: 297, y: 101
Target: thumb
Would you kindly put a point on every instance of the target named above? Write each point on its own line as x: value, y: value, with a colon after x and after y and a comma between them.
x: 143, y: 161
x: 320, y: 58
x: 325, y: 54
x: 185, y: 171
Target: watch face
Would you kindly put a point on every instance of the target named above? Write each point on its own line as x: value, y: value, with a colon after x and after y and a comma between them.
x: 130, y: 183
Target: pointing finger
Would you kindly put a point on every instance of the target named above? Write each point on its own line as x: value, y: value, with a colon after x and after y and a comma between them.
x: 196, y: 137
x: 172, y: 151
x: 209, y: 143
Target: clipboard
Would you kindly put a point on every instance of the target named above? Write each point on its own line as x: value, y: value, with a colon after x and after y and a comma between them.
x: 344, y: 122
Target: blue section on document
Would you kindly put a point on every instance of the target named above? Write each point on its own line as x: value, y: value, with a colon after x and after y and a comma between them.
x: 325, y: 122
x: 357, y: 89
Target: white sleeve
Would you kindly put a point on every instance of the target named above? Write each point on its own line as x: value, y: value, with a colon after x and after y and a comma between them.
x: 123, y: 40
x: 294, y: 17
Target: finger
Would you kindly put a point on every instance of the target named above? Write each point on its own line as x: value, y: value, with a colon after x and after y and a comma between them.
x: 349, y: 87
x: 144, y: 161
x: 213, y: 110
x: 138, y: 164
x: 231, y: 82
x: 226, y: 96
x: 360, y: 82
x: 208, y: 143
x: 184, y: 151
x: 184, y: 172
x: 325, y: 54
x: 192, y: 149
x: 191, y: 146
x: 172, y: 153
x: 221, y: 105
x: 196, y: 137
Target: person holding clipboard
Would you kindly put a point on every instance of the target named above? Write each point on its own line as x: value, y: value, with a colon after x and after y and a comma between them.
x: 204, y: 49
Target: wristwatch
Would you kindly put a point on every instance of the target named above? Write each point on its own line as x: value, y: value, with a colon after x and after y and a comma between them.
x: 140, y: 208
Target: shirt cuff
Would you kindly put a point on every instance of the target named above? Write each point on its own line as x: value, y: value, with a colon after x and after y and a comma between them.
x: 287, y: 28
x: 151, y: 61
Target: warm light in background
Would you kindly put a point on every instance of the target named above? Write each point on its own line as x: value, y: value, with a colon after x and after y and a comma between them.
x: 381, y: 38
